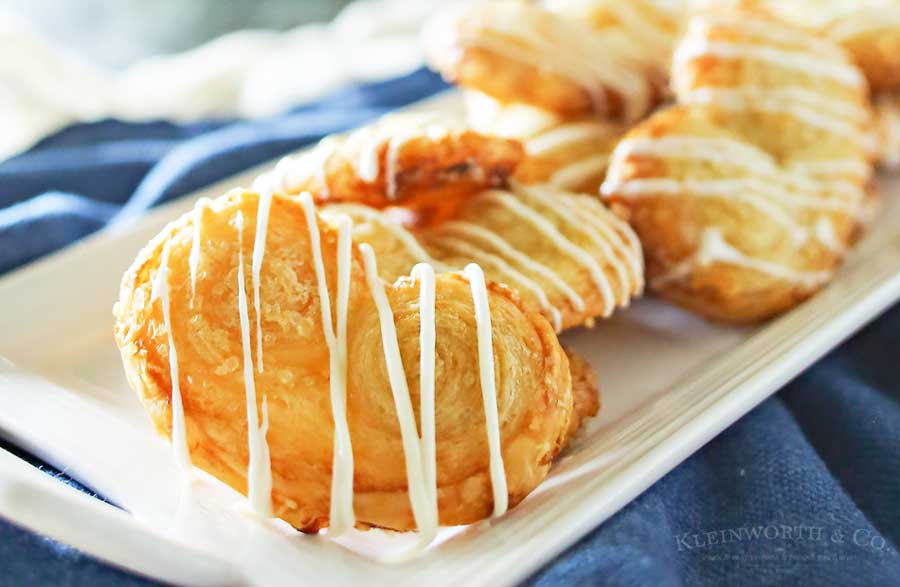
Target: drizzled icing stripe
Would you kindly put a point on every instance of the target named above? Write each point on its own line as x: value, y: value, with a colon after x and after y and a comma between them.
x: 856, y: 168
x: 342, y: 516
x: 616, y: 231
x: 488, y: 390
x: 714, y: 249
x: 266, y: 186
x: 474, y: 231
x: 499, y: 264
x: 717, y: 150
x: 567, y: 48
x: 800, y: 61
x: 368, y: 163
x: 403, y: 235
x: 578, y: 172
x: 259, y: 469
x: 723, y: 151
x: 673, y: 188
x: 420, y: 496
x: 160, y: 290
x: 646, y: 33
x: 582, y: 223
x: 751, y: 190
x: 778, y: 102
x: 424, y: 274
x: 578, y: 254
x: 768, y: 30
x: 876, y: 18
x: 567, y: 134
x: 824, y: 233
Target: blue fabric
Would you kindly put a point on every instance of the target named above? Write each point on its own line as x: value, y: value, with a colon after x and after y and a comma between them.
x: 802, y: 491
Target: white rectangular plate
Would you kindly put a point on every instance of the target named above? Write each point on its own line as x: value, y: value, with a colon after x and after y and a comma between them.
x: 670, y: 383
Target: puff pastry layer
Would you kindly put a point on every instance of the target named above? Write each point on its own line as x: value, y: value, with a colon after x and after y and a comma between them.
x: 193, y: 349
x: 747, y: 193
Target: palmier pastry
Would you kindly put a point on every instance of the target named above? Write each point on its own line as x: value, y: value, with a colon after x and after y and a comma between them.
x: 746, y: 194
x: 563, y: 252
x: 571, y: 154
x: 868, y: 29
x: 403, y: 155
x: 260, y: 337
x: 521, y: 52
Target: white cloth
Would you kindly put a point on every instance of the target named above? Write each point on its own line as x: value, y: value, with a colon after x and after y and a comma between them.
x: 244, y: 74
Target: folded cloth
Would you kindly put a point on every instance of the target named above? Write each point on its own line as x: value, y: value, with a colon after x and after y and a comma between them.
x: 247, y: 73
x: 802, y: 491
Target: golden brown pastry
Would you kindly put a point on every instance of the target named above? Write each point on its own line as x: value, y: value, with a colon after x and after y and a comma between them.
x: 650, y: 28
x: 521, y: 52
x: 585, y: 396
x: 402, y: 157
x: 868, y: 29
x: 746, y: 194
x: 563, y: 252
x: 887, y: 128
x: 260, y: 337
x: 571, y: 154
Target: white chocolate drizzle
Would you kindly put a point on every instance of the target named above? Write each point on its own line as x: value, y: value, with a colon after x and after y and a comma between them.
x: 840, y: 20
x: 714, y: 249
x: 493, y: 240
x: 614, y: 229
x: 768, y: 30
x: 594, y: 60
x: 860, y: 22
x: 259, y: 469
x: 342, y: 516
x: 816, y: 113
x: 568, y: 134
x: 424, y: 274
x: 406, y: 238
x: 548, y: 229
x: 772, y: 190
x: 545, y: 135
x: 390, y: 135
x: 858, y: 169
x: 578, y: 172
x: 266, y: 185
x: 497, y: 263
x: 655, y: 40
x: 420, y: 496
x: 488, y: 390
x: 602, y: 239
x: 732, y: 153
x: 419, y: 450
x: 160, y: 289
x: 802, y: 61
x: 824, y: 232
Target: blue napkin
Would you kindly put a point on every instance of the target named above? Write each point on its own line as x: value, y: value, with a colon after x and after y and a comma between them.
x: 805, y: 490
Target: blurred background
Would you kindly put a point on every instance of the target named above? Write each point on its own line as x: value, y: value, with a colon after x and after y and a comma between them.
x: 69, y: 61
x: 116, y: 33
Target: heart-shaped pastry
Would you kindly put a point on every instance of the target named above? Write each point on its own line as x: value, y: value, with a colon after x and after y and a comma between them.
x: 747, y: 193
x: 523, y: 52
x: 278, y: 361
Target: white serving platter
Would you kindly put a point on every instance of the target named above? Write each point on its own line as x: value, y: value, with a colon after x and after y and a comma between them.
x: 670, y: 381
